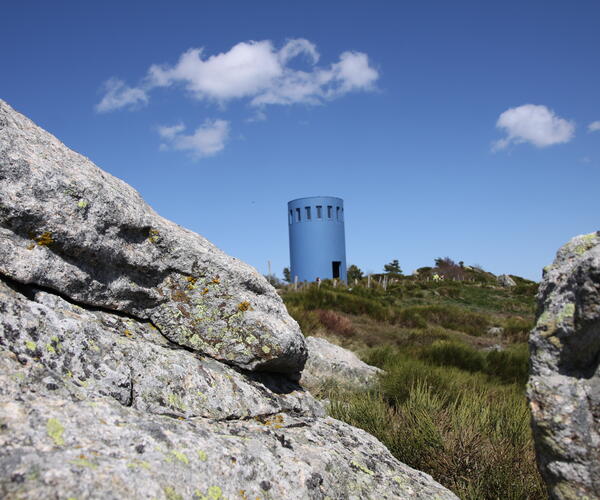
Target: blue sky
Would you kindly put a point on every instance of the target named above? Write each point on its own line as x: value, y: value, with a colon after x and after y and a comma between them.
x: 461, y: 129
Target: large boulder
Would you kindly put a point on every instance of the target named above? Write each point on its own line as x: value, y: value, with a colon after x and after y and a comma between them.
x: 564, y: 384
x: 139, y: 361
x: 70, y: 227
x: 330, y: 362
x: 506, y: 281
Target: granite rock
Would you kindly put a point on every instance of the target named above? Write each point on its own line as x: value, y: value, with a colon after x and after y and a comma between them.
x: 327, y: 361
x: 68, y: 226
x: 564, y: 383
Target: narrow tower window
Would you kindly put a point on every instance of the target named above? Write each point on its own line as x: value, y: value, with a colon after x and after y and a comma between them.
x: 337, y: 213
x: 329, y: 211
x: 319, y: 211
x: 307, y: 213
x: 291, y: 216
x: 298, y: 214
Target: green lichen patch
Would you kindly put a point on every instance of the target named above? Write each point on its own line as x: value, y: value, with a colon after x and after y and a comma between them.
x: 362, y: 468
x: 202, y: 455
x: 171, y: 493
x: 180, y: 456
x: 82, y: 461
x: 176, y: 402
x: 213, y: 493
x: 55, y: 431
x: 139, y: 464
x: 82, y: 203
x: 31, y: 345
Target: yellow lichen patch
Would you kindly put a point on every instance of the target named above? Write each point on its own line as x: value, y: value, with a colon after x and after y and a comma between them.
x: 244, y: 306
x: 216, y: 280
x: 55, y: 431
x: 128, y: 333
x: 154, y: 236
x: 32, y: 346
x: 44, y: 239
x: 202, y: 455
x: 266, y: 349
x: 205, y: 291
x: 275, y: 421
x: 50, y: 348
x: 82, y: 203
x: 191, y: 282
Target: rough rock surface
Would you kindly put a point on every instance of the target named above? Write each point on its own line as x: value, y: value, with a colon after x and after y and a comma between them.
x: 564, y: 384
x: 327, y: 361
x: 68, y: 226
x: 506, y: 281
x: 107, y: 392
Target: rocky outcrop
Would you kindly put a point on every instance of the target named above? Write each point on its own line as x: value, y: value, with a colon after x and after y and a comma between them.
x: 506, y: 281
x: 70, y: 227
x: 564, y: 384
x: 139, y: 361
x: 329, y: 362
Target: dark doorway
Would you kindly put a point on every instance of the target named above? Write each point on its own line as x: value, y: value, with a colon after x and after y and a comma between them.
x: 335, y: 268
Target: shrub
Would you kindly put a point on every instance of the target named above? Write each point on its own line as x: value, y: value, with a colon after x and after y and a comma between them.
x: 335, y: 322
x: 451, y: 317
x: 471, y: 434
x: 449, y: 353
x: 308, y: 320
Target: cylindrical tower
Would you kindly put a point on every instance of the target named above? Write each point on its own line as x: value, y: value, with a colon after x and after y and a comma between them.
x: 317, y: 238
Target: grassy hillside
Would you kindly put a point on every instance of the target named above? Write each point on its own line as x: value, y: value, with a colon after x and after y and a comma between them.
x: 451, y: 402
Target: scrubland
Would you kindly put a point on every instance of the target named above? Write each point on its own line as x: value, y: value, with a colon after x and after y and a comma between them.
x: 452, y: 399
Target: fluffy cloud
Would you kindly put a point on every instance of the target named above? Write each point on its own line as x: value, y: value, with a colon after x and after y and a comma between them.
x: 535, y: 124
x: 594, y: 126
x: 206, y: 140
x: 118, y: 95
x: 256, y: 71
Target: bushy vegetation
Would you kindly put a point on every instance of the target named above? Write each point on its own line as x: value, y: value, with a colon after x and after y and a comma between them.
x: 451, y: 402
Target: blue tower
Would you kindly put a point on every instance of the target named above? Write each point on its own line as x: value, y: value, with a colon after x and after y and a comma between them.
x: 317, y: 238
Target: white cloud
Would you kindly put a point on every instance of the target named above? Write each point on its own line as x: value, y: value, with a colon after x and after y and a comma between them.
x: 594, y: 126
x: 207, y: 140
x: 535, y: 124
x: 259, y: 72
x: 118, y: 95
x: 170, y: 132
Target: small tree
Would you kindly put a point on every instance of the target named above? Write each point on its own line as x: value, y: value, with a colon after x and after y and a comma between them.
x: 354, y: 273
x: 287, y: 276
x: 393, y: 267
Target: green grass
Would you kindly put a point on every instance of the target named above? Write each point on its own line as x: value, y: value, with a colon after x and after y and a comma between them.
x: 468, y: 431
x: 449, y: 404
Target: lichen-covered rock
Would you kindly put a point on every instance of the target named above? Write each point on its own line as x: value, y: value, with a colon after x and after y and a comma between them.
x: 97, y: 405
x: 506, y: 281
x: 138, y: 361
x: 71, y: 227
x: 327, y: 361
x: 130, y: 361
x: 564, y: 384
